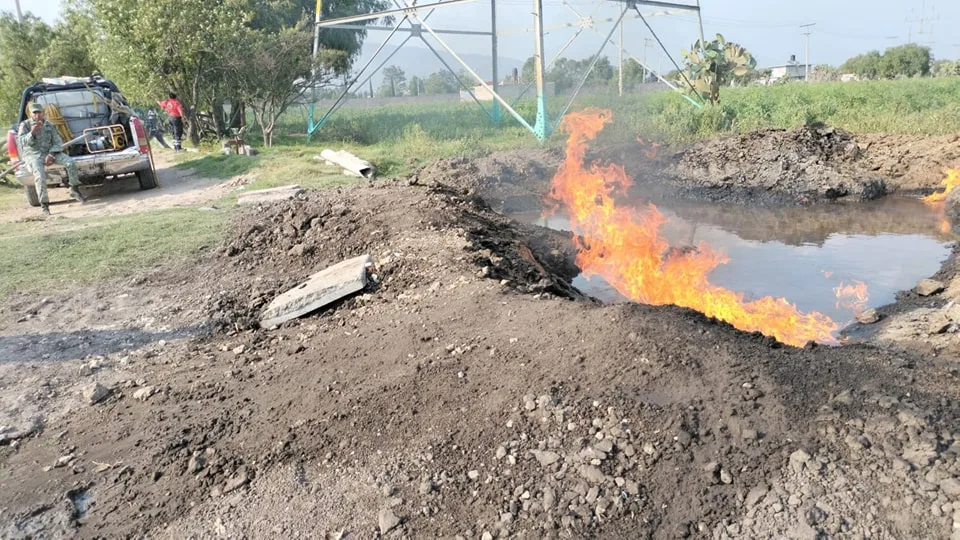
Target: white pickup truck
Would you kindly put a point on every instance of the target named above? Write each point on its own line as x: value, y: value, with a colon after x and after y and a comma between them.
x: 106, y: 150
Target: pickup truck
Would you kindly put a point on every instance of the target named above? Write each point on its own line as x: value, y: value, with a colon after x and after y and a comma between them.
x: 105, y: 151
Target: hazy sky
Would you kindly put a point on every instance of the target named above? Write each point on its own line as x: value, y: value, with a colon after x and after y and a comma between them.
x: 769, y: 29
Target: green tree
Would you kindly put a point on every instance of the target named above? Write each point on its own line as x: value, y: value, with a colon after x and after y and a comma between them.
x: 945, y: 68
x: 825, y: 72
x: 21, y: 54
x: 277, y: 69
x: 69, y: 49
x: 195, y: 47
x: 909, y: 60
x: 864, y: 66
x: 714, y: 64
x: 394, y: 82
x: 441, y: 82
x: 183, y: 46
x: 416, y: 86
x: 633, y: 74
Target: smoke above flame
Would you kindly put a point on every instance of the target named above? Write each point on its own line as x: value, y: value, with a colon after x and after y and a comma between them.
x: 624, y: 246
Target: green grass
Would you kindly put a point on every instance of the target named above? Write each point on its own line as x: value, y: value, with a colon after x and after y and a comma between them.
x: 55, y: 254
x: 423, y: 132
x: 221, y: 166
x: 399, y: 139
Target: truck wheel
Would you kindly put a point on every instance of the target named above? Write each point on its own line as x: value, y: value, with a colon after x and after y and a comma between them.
x: 32, y: 196
x: 147, y: 178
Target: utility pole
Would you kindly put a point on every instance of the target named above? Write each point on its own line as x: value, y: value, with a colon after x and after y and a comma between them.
x: 19, y: 13
x: 620, y: 62
x: 806, y: 67
x: 646, y: 43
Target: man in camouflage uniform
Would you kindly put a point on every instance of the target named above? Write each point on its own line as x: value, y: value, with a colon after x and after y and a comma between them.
x: 40, y: 146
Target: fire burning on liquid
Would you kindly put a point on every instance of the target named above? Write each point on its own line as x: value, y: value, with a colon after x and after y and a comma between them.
x: 853, y: 297
x: 936, y: 200
x: 624, y: 246
x: 951, y: 182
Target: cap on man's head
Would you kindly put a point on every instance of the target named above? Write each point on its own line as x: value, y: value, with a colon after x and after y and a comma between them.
x: 34, y: 107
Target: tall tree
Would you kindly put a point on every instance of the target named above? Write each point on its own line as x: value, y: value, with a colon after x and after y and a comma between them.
x: 20, y: 63
x: 394, y: 82
x: 441, y: 82
x: 196, y: 47
x: 825, y: 72
x: 69, y: 50
x: 277, y: 69
x: 945, y: 68
x: 151, y: 48
x: 909, y: 60
x: 864, y: 66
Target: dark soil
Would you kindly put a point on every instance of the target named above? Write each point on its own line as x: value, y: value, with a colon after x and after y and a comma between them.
x: 469, y: 391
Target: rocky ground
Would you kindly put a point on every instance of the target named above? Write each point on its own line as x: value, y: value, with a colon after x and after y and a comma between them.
x: 469, y: 392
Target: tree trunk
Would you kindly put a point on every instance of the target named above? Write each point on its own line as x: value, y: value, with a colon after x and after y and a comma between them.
x: 218, y: 118
x: 238, y: 115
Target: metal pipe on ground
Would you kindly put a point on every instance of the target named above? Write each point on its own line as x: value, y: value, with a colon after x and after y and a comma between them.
x: 350, y: 163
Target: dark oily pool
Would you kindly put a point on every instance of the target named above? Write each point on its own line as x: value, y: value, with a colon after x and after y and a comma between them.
x: 804, y: 254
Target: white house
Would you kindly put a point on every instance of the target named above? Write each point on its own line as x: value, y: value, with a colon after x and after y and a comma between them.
x: 792, y: 70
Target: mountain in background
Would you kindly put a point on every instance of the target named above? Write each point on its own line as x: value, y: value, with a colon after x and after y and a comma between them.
x: 419, y: 61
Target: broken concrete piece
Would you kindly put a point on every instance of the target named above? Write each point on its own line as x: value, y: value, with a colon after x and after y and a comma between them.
x: 928, y: 287
x: 281, y: 193
x: 322, y: 288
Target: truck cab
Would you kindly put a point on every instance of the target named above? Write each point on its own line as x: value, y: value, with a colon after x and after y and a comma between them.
x: 108, y: 143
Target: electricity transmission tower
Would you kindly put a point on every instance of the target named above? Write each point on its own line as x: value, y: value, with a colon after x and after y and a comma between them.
x: 922, y: 19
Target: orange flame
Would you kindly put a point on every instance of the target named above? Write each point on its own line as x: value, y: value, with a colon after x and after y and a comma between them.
x: 852, y: 297
x: 937, y: 199
x: 951, y: 182
x: 624, y: 246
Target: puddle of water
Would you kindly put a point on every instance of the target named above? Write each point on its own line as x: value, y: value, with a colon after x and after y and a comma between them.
x: 803, y: 254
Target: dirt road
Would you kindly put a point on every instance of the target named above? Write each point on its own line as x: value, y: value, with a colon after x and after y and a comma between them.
x: 469, y: 392
x: 178, y: 187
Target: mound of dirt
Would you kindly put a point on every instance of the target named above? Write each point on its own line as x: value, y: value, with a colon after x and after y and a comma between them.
x: 818, y: 162
x: 508, y: 181
x: 288, y: 241
x: 468, y: 392
x: 910, y: 163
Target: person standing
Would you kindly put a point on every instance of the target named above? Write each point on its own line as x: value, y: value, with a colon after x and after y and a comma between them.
x: 40, y: 145
x: 154, y: 129
x: 175, y: 116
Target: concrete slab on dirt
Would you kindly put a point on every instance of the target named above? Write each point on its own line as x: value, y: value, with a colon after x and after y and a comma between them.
x: 322, y: 288
x: 281, y: 193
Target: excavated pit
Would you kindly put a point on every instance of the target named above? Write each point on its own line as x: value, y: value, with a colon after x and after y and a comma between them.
x: 471, y: 391
x: 811, y: 255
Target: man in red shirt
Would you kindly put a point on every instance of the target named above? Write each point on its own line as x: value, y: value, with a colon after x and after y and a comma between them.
x: 175, y: 113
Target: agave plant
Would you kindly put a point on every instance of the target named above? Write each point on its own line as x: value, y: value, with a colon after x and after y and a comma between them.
x: 708, y: 66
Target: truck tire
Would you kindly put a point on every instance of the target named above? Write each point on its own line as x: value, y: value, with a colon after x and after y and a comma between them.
x: 32, y: 196
x: 147, y: 178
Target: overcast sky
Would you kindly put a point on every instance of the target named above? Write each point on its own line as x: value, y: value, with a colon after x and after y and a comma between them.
x: 770, y: 30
